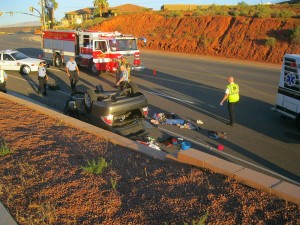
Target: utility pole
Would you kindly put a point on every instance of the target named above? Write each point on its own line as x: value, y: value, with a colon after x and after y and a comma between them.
x: 43, y: 14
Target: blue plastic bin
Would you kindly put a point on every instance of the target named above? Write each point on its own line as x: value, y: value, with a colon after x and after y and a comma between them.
x: 185, y: 145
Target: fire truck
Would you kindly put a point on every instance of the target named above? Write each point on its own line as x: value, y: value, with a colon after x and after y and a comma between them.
x: 98, y: 51
x: 288, y: 95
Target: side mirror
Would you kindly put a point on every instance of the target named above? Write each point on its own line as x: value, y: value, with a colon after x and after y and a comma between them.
x: 144, y: 40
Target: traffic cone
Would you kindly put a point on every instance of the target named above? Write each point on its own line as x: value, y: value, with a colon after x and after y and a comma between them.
x: 154, y: 72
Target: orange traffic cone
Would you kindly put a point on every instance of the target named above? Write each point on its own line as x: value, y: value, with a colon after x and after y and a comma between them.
x: 154, y: 72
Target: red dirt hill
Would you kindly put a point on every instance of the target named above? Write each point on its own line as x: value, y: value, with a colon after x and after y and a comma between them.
x: 223, y: 36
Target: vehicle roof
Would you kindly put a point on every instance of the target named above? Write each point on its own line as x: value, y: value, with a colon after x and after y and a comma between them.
x: 9, y: 51
x: 292, y: 55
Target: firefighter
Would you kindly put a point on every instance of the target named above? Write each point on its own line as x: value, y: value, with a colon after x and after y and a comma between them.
x: 3, y: 78
x: 73, y: 73
x: 123, y: 81
x: 232, y: 95
x: 121, y: 62
x: 42, y: 77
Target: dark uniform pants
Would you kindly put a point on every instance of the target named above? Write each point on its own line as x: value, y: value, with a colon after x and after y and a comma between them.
x: 3, y: 87
x: 231, y: 111
x: 42, y: 85
x: 73, y: 79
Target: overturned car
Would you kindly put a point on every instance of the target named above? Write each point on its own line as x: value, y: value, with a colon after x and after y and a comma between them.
x: 121, y: 112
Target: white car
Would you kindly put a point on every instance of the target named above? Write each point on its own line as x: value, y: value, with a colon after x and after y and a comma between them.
x: 15, y: 60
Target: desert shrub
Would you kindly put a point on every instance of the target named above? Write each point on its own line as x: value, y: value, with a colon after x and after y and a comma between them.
x: 263, y: 11
x: 90, y: 23
x: 96, y: 167
x: 199, y: 13
x: 174, y: 14
x: 5, y: 149
x: 233, y: 13
x: 295, y: 35
x: 286, y: 13
x: 242, y: 4
x: 270, y: 42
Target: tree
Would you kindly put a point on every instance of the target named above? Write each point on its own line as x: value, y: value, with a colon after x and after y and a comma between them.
x: 51, y: 6
x: 100, y: 5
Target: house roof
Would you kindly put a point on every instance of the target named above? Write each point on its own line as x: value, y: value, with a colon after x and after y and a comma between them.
x: 81, y: 11
x: 126, y: 8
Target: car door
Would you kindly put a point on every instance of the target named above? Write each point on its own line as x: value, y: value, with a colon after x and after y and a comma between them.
x: 9, y: 63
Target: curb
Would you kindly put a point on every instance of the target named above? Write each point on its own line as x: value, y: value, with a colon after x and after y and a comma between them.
x: 5, y: 217
x: 282, y: 189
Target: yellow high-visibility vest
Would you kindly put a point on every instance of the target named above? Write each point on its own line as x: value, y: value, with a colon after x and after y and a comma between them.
x: 233, y: 93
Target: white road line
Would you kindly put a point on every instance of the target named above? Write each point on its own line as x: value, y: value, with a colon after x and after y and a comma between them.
x: 229, y: 155
x: 167, y: 96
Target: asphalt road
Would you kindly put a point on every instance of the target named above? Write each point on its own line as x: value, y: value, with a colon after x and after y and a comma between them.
x: 192, y: 87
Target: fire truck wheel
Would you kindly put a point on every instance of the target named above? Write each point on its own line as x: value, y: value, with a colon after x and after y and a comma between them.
x: 57, y: 61
x: 93, y: 68
x: 89, y: 98
x: 25, y: 70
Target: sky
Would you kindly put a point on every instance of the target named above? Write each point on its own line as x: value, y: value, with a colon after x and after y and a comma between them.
x: 23, y: 6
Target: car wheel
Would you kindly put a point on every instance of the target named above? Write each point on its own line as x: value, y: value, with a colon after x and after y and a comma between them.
x: 93, y: 68
x: 57, y: 61
x: 133, y: 87
x: 25, y: 70
x: 89, y: 98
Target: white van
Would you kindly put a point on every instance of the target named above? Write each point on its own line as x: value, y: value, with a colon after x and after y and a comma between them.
x: 288, y: 95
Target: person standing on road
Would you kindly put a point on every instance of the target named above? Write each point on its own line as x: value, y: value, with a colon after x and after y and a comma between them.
x: 122, y: 83
x: 232, y: 96
x: 122, y: 62
x: 43, y: 78
x: 3, y: 78
x: 73, y: 73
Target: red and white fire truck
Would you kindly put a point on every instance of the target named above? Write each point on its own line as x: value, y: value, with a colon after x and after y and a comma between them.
x: 99, y: 51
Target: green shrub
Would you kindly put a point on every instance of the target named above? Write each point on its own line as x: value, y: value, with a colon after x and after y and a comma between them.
x: 174, y: 14
x: 295, y: 35
x: 5, y: 149
x: 263, y: 11
x: 270, y: 42
x: 113, y: 183
x: 96, y: 167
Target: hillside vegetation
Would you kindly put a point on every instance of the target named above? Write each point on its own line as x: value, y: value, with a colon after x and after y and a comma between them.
x: 264, y: 34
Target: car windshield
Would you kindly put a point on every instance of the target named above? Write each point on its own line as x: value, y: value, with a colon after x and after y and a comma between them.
x: 123, y: 44
x: 19, y: 55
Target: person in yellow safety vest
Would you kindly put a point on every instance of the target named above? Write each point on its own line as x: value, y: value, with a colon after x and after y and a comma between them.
x: 232, y: 95
x: 122, y: 62
x: 3, y: 78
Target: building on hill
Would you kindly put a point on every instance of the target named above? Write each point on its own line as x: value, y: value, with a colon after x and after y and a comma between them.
x: 78, y: 16
x: 81, y: 15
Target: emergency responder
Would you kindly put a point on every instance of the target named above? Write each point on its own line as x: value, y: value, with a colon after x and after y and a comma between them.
x: 123, y: 82
x: 42, y: 77
x: 233, y: 97
x: 121, y: 62
x: 73, y: 73
x: 3, y: 78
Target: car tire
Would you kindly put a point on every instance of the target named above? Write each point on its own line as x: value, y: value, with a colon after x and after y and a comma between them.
x: 25, y: 70
x: 134, y: 88
x: 57, y: 61
x: 89, y: 98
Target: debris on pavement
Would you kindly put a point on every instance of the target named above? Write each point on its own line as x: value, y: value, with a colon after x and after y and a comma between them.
x: 216, y: 134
